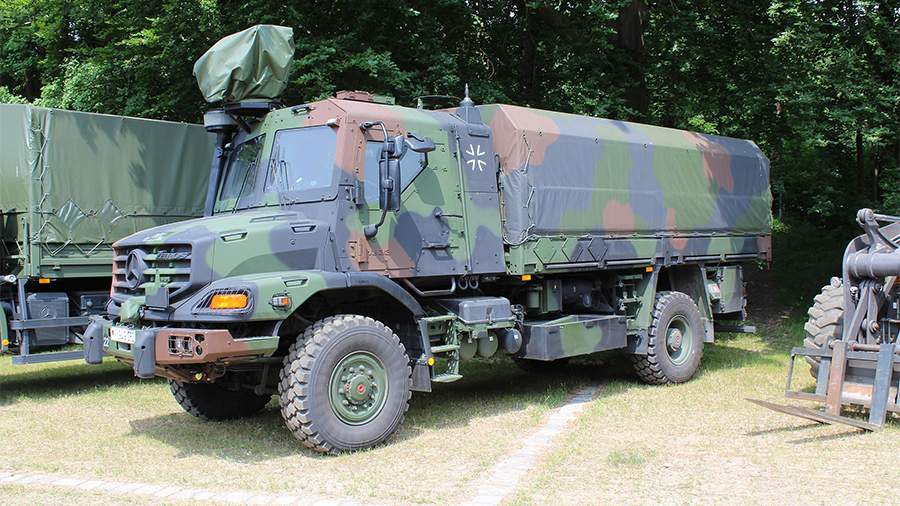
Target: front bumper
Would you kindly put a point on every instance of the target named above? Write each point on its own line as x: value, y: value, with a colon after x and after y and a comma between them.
x: 156, y: 351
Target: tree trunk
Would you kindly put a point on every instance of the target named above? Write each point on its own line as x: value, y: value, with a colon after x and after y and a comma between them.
x: 860, y: 166
x: 632, y: 20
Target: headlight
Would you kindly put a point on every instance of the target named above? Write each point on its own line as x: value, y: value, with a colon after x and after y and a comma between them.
x: 226, y: 300
x: 229, y: 301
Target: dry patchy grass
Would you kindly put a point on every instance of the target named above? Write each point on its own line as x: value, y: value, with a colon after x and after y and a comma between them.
x: 100, y: 422
x: 701, y: 442
x: 16, y: 495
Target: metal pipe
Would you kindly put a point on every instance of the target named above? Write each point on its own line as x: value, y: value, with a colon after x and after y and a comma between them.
x: 873, y: 265
x: 431, y: 293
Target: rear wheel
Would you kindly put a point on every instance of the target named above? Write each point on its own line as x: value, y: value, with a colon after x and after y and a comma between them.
x: 675, y: 341
x: 213, y: 401
x: 826, y: 320
x: 345, y: 384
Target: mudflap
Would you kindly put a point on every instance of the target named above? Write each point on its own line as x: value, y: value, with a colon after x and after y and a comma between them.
x: 93, y: 342
x: 145, y: 354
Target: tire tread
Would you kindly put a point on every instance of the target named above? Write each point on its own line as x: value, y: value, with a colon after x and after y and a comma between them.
x: 647, y: 366
x: 296, y: 371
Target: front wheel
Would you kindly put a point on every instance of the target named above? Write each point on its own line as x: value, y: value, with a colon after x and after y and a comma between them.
x: 214, y: 401
x: 345, y: 384
x: 675, y: 341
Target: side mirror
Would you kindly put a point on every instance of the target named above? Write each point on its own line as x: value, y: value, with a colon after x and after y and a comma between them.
x: 425, y: 145
x: 389, y: 175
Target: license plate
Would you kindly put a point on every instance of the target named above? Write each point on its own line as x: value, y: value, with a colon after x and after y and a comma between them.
x: 122, y: 335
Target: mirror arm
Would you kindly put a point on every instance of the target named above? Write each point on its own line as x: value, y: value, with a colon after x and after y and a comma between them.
x: 371, y: 230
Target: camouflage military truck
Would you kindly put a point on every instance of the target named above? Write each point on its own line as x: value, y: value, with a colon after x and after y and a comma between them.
x: 72, y: 183
x: 358, y: 251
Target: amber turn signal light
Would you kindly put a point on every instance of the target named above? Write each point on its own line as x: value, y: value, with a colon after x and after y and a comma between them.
x: 228, y: 301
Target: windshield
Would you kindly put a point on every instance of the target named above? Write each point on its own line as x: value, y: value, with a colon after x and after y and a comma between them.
x: 240, y: 173
x: 302, y: 162
x: 299, y: 169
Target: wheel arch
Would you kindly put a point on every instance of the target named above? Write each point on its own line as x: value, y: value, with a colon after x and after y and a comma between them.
x: 689, y: 279
x: 364, y: 294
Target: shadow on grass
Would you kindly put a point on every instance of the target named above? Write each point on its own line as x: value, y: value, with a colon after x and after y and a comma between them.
x: 488, y: 389
x: 27, y: 382
x: 778, y: 430
x: 827, y: 437
x: 257, y: 438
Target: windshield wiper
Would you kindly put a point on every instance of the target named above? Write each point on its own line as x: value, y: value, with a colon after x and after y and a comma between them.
x: 237, y: 200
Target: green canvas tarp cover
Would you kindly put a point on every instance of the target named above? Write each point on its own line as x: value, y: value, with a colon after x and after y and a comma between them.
x: 90, y: 179
x: 252, y: 64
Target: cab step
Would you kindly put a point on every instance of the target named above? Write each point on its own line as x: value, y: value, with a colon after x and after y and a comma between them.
x: 444, y: 348
x: 446, y: 378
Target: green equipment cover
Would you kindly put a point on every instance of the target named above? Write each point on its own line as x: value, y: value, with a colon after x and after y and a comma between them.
x: 252, y: 64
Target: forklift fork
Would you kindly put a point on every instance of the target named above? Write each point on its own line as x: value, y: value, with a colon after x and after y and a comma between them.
x: 849, y: 374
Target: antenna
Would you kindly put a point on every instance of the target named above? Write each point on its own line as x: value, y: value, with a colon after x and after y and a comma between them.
x: 466, y: 101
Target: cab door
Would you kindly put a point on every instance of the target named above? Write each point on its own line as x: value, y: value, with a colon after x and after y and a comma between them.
x: 480, y: 199
x: 426, y: 237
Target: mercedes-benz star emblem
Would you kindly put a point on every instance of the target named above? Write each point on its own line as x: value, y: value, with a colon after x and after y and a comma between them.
x: 134, y: 269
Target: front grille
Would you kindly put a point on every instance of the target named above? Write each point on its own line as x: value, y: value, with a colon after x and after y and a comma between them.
x: 171, y: 262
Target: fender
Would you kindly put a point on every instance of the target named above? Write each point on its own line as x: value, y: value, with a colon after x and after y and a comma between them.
x: 385, y: 284
x: 691, y: 279
x: 298, y: 285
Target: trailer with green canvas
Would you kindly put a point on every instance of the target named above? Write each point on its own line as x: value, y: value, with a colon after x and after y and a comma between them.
x: 71, y: 184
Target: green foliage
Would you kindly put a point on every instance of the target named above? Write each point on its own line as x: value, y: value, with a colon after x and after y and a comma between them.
x: 806, y: 256
x: 7, y: 97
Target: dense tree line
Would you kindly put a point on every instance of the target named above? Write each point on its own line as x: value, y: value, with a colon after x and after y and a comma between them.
x: 813, y: 82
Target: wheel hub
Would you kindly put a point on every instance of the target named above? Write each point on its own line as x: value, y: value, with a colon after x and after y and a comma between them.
x: 679, y: 338
x: 674, y: 339
x: 358, y: 388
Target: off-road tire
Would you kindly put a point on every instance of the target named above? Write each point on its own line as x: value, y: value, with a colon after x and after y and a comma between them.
x: 212, y: 401
x: 542, y: 366
x: 657, y: 367
x: 306, y: 376
x: 826, y: 320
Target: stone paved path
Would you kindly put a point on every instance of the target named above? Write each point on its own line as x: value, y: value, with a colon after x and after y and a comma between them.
x: 168, y: 492
x: 503, y: 479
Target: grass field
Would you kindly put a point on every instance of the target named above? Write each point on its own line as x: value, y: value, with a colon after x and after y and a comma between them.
x: 697, y: 442
x: 101, y: 423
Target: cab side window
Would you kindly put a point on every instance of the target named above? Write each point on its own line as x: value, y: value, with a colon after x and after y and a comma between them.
x: 410, y: 167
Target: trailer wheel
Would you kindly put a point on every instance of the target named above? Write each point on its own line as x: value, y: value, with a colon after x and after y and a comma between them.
x: 826, y: 320
x: 212, y: 401
x: 345, y: 384
x: 676, y: 341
